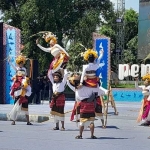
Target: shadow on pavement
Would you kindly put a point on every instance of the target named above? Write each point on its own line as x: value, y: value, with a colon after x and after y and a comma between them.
x: 71, y: 129
x: 105, y: 138
x: 110, y: 127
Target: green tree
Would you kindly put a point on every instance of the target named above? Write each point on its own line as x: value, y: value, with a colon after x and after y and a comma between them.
x: 78, y: 18
x: 130, y: 54
x: 131, y: 25
x: 131, y: 38
x: 131, y: 30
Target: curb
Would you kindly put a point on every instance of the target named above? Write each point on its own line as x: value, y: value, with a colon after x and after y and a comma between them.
x: 33, y: 118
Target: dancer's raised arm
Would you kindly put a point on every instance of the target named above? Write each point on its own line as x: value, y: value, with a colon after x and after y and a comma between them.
x: 70, y: 86
x: 13, y: 66
x: 43, y: 48
x: 50, y: 76
x: 65, y: 77
x: 100, y: 56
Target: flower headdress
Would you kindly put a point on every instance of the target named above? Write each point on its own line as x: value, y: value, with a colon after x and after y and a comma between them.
x: 74, y: 79
x: 50, y: 36
x: 146, y: 77
x: 89, y: 52
x: 20, y: 59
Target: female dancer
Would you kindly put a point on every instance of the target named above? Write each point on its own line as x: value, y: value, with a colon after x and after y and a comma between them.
x: 144, y: 114
x: 61, y: 57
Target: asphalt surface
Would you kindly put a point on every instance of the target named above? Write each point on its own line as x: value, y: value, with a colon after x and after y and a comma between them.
x: 122, y: 131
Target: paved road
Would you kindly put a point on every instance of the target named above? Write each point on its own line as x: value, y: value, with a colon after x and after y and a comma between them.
x: 122, y: 132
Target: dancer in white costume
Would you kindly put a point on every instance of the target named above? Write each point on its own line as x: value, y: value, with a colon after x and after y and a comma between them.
x: 87, y: 101
x: 90, y: 79
x: 144, y: 114
x: 21, y: 71
x: 61, y: 57
x: 20, y: 61
x: 89, y: 71
x: 57, y: 103
x: 21, y: 91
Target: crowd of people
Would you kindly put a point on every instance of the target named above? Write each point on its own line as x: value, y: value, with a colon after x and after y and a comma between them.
x: 86, y: 86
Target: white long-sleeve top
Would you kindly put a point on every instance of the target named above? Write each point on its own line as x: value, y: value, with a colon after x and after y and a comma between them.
x: 103, y: 91
x: 57, y: 48
x: 90, y: 67
x: 28, y: 92
x: 58, y: 87
x: 145, y: 90
x: 85, y: 92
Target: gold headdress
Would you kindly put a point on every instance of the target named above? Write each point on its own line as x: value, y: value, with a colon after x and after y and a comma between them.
x: 146, y: 77
x: 20, y: 59
x: 50, y: 36
x: 47, y: 35
x: 88, y: 52
x: 74, y: 79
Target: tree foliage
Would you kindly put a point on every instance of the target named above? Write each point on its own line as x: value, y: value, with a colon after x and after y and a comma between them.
x: 131, y: 31
x: 78, y: 18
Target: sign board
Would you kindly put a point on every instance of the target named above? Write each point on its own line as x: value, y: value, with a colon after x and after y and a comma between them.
x: 102, y: 43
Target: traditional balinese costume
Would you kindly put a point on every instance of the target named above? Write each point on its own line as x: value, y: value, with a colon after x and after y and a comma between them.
x: 58, y: 98
x: 87, y: 101
x: 89, y: 70
x: 99, y: 91
x: 21, y: 94
x: 74, y: 81
x: 61, y: 57
x: 20, y: 59
x: 20, y: 74
x: 20, y: 90
x: 144, y: 114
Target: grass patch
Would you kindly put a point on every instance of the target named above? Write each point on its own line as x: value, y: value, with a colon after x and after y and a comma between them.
x: 123, y: 86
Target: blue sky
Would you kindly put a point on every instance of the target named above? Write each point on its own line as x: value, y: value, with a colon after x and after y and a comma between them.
x: 134, y: 4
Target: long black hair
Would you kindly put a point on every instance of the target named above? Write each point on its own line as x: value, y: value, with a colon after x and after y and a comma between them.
x: 91, y: 58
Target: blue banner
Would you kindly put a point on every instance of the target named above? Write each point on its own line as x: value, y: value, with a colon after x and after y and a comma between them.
x: 127, y: 95
x: 104, y: 69
x: 10, y: 72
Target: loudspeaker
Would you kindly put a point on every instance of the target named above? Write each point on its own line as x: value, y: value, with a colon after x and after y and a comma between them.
x: 32, y: 66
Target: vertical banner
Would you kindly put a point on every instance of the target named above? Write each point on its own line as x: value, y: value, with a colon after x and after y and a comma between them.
x: 102, y: 45
x: 1, y: 65
x: 10, y: 71
x: 11, y: 48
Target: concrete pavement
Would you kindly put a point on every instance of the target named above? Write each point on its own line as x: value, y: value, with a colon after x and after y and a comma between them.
x: 37, y: 112
x: 122, y: 131
x: 41, y: 112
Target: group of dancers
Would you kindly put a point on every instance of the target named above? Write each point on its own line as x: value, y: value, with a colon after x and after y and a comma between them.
x: 87, y: 88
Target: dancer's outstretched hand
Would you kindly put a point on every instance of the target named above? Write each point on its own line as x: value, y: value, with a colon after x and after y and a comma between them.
x: 37, y: 41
